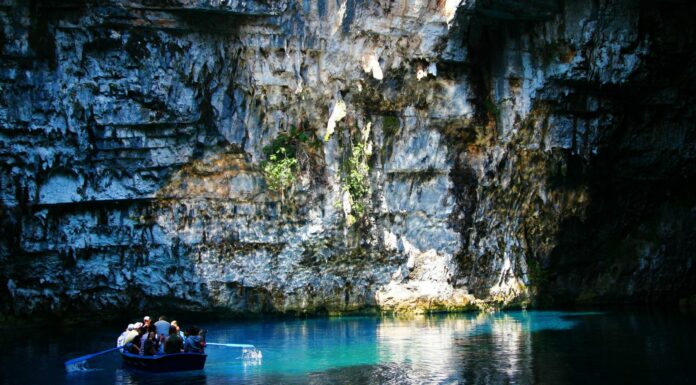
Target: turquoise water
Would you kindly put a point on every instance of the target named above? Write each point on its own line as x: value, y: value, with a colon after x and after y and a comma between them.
x: 521, y: 347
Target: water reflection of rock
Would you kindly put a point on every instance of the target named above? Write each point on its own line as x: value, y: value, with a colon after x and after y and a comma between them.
x: 483, y: 349
x: 503, y: 356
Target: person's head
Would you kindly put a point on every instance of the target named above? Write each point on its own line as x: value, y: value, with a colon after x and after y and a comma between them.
x: 147, y: 320
x: 173, y: 330
x: 137, y: 325
x: 192, y: 331
x: 151, y: 335
x: 162, y: 318
x: 175, y: 323
x: 130, y: 327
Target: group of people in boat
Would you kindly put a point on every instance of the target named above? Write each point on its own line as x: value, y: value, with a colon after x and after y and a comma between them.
x: 149, y: 338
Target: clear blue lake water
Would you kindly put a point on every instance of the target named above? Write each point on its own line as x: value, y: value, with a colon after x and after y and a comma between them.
x: 515, y: 347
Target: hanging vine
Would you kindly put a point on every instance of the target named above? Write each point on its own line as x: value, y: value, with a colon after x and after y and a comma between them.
x: 355, y: 176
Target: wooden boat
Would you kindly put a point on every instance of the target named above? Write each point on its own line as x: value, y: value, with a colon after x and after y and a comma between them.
x: 176, y: 362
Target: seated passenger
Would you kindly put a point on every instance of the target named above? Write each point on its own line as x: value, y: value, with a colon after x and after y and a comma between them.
x: 195, y: 342
x: 174, y: 343
x: 160, y: 343
x: 131, y: 335
x: 122, y: 338
x: 178, y: 329
x: 142, y: 337
x: 132, y: 348
x: 162, y: 326
x: 150, y: 345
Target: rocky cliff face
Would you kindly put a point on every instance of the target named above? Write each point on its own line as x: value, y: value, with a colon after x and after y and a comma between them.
x: 450, y: 154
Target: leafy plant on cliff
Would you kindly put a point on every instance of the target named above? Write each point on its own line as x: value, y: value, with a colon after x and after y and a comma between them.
x: 279, y: 170
x: 284, y: 159
x: 356, y: 175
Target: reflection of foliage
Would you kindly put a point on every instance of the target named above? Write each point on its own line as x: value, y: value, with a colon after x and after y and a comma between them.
x: 285, y: 157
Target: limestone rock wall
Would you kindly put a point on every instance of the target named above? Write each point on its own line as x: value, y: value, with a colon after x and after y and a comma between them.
x: 499, y: 134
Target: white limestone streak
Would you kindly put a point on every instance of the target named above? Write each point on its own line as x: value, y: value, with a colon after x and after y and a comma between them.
x: 370, y: 64
x: 347, y: 203
x: 338, y: 112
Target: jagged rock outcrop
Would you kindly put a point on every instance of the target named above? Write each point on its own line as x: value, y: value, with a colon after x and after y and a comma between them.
x: 518, y: 152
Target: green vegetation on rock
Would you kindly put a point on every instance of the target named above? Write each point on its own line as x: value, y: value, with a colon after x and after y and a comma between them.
x: 280, y: 170
x: 283, y: 158
x: 390, y: 125
x: 355, y: 178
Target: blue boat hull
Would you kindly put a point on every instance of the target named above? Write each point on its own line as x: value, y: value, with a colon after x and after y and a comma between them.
x: 166, y: 362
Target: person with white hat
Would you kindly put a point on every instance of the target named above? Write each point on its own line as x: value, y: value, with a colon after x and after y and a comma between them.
x: 119, y: 340
x: 123, y: 338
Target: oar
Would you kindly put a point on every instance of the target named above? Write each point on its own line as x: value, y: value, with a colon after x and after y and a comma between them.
x: 87, y: 357
x: 231, y: 345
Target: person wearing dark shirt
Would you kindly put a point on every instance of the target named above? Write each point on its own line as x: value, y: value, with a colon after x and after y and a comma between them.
x: 150, y: 344
x: 132, y: 348
x: 173, y: 343
x: 142, y: 337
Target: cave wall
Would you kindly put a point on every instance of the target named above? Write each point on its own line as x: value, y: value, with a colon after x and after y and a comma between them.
x: 520, y: 153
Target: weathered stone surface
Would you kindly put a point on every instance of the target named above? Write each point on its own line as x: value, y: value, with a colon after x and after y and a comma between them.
x: 521, y: 152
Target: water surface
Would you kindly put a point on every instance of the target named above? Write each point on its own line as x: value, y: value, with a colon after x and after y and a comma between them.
x: 520, y: 347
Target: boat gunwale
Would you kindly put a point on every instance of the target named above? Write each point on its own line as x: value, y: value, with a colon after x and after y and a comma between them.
x: 163, y: 355
x: 160, y: 356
